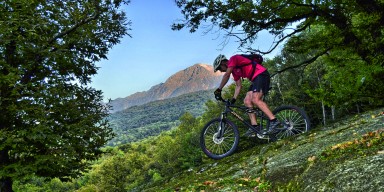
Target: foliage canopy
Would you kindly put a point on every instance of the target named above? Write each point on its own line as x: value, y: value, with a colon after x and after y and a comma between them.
x: 51, y: 121
x: 356, y: 24
x: 343, y: 41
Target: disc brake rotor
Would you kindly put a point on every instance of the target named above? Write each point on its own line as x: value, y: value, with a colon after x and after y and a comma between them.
x: 217, y: 140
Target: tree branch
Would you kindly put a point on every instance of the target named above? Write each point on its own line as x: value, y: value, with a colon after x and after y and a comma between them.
x: 28, y: 75
x: 283, y: 38
x: 73, y: 28
x: 304, y: 63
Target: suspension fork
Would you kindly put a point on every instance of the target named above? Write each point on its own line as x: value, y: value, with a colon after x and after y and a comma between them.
x: 221, y: 128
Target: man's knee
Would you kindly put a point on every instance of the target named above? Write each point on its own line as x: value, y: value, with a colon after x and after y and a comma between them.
x: 257, y: 101
x: 248, y: 101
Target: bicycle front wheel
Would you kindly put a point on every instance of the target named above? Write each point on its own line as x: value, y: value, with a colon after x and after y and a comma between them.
x: 219, y: 139
x: 293, y: 121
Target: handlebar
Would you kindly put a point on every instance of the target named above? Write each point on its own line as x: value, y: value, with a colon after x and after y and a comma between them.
x: 230, y: 105
x: 224, y: 101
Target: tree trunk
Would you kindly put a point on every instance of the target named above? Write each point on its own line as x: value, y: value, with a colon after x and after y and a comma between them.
x: 333, y: 112
x: 323, y: 107
x: 5, y: 92
x: 358, y: 108
x: 5, y: 183
x: 281, y: 93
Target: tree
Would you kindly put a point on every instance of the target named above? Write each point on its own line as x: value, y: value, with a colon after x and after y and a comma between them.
x: 51, y: 122
x: 357, y: 25
x: 187, y: 136
x: 309, y: 30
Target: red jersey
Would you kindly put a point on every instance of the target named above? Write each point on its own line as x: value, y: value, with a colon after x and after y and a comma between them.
x: 237, y: 61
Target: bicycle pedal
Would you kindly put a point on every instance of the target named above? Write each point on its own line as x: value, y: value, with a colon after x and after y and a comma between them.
x: 262, y: 136
x: 251, y: 135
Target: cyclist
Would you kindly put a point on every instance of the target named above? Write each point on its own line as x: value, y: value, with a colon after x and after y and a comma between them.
x: 239, y: 66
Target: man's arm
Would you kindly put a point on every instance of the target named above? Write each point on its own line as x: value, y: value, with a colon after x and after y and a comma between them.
x: 226, y: 77
x: 237, y: 89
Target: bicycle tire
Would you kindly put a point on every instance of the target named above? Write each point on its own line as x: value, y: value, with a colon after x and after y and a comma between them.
x: 294, y: 121
x: 218, y: 148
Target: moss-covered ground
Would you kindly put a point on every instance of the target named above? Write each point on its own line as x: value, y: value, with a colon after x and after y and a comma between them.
x: 345, y: 156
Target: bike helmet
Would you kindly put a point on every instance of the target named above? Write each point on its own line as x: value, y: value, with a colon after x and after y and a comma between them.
x: 217, y: 62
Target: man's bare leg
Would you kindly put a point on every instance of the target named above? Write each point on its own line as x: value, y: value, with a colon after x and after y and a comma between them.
x: 257, y: 100
x: 248, y: 103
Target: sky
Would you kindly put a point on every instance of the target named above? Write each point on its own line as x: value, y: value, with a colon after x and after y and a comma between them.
x: 154, y: 51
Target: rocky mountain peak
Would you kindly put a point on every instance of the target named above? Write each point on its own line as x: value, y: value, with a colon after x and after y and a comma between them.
x: 195, y: 78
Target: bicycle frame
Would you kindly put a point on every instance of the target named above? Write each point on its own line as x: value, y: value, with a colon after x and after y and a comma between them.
x: 220, y: 136
x: 228, y: 109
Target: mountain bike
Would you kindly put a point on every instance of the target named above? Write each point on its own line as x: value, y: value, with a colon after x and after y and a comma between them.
x: 220, y: 136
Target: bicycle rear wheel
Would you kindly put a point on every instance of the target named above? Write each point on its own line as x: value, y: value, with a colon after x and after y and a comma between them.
x: 216, y: 146
x: 293, y: 120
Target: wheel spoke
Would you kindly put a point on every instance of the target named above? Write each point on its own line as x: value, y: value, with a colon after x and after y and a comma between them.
x: 219, y: 147
x: 294, y: 121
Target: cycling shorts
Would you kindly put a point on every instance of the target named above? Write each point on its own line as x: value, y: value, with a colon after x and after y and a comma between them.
x: 261, y: 83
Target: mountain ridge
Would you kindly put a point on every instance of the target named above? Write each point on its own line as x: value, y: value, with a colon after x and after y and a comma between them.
x: 141, y: 121
x: 192, y: 79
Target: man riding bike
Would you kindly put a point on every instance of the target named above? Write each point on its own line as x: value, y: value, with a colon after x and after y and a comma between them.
x: 241, y: 66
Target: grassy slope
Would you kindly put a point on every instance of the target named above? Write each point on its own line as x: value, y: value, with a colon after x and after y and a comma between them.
x: 345, y: 156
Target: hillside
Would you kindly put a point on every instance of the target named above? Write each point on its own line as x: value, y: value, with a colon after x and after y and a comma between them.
x: 138, y: 122
x: 195, y: 78
x: 345, y: 156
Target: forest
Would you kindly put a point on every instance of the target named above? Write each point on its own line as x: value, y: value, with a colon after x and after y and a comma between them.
x: 139, y: 122
x: 54, y: 133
